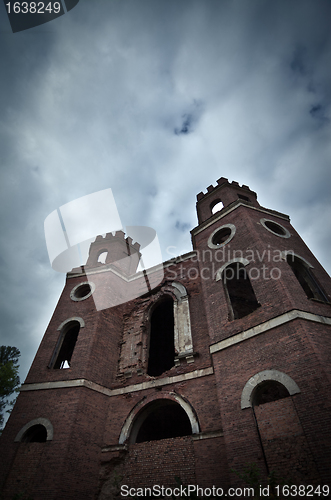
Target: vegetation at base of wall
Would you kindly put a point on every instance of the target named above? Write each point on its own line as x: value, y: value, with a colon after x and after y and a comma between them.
x: 9, y: 379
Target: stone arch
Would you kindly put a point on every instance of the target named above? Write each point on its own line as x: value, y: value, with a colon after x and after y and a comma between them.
x: 259, y: 378
x: 36, y: 422
x: 69, y: 320
x: 145, y: 407
x: 240, y: 260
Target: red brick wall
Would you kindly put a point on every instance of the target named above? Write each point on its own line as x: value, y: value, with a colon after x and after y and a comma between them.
x: 285, y: 445
x: 287, y: 349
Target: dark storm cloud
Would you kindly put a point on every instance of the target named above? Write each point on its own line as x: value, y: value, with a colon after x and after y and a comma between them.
x: 92, y: 100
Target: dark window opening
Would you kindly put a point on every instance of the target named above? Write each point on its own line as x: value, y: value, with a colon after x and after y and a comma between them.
x: 269, y: 391
x: 221, y: 236
x: 168, y: 420
x: 69, y: 339
x: 242, y: 197
x: 82, y: 291
x: 35, y: 434
x: 275, y: 228
x: 240, y: 290
x: 161, y: 345
x: 306, y: 279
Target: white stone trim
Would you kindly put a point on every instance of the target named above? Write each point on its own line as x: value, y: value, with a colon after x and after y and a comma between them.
x: 75, y: 288
x: 253, y: 382
x: 225, y: 211
x: 285, y: 253
x: 64, y: 384
x: 182, y: 321
x: 207, y: 435
x: 139, y: 413
x: 37, y: 421
x: 287, y: 233
x: 268, y: 325
x: 210, y: 243
x: 241, y: 260
x: 69, y: 320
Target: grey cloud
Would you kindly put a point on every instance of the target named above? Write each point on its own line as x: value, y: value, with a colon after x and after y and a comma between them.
x: 93, y: 101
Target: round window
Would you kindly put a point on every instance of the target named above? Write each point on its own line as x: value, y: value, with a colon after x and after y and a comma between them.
x: 82, y: 291
x: 221, y: 236
x: 275, y: 228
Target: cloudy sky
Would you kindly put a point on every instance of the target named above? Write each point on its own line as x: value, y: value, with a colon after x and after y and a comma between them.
x: 157, y: 99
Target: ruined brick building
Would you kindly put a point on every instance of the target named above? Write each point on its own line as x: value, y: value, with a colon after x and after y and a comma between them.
x: 225, y: 362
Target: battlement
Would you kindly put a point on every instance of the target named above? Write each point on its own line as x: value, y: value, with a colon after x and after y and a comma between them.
x: 119, y: 235
x: 222, y: 182
x: 225, y: 193
x: 114, y: 249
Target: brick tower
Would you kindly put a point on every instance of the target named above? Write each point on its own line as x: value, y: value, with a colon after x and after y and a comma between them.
x: 225, y: 363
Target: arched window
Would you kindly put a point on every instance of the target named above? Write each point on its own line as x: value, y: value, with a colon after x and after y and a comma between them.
x: 267, y: 386
x: 102, y: 256
x: 268, y: 391
x: 162, y: 419
x: 38, y: 430
x: 35, y: 434
x: 239, y: 290
x: 161, y: 343
x: 216, y: 206
x: 65, y: 346
x: 305, y: 277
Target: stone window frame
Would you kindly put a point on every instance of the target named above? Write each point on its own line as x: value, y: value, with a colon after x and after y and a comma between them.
x: 287, y: 233
x: 183, y: 342
x: 137, y: 415
x: 240, y: 260
x: 37, y: 421
x: 263, y: 376
x: 312, y: 281
x: 232, y: 228
x: 74, y: 290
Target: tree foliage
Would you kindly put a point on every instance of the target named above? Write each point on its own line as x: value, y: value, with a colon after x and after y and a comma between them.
x: 9, y: 379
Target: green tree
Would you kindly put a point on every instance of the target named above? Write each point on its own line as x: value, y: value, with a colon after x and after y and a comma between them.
x: 9, y: 379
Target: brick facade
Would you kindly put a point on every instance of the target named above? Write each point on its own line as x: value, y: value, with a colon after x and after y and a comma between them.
x: 201, y: 416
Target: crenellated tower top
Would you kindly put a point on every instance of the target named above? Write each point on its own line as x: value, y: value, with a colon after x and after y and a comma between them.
x: 226, y: 193
x: 115, y: 249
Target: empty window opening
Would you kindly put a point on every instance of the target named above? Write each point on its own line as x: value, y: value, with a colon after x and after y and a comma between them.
x: 275, y: 228
x: 306, y: 279
x: 82, y: 291
x: 216, y: 207
x: 221, y: 236
x: 35, y: 434
x: 240, y: 291
x: 269, y: 391
x: 167, y: 420
x: 68, y: 341
x: 242, y: 197
x: 102, y: 257
x: 161, y: 344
